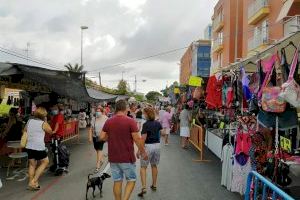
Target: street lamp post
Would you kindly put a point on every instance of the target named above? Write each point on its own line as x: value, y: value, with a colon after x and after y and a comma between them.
x: 82, y: 28
x: 135, y: 82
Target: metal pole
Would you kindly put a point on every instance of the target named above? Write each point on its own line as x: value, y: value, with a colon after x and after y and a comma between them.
x: 236, y: 30
x: 100, y: 79
x: 135, y: 81
x: 81, y: 47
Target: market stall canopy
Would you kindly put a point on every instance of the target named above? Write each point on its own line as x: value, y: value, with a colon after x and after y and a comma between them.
x: 96, y: 94
x: 70, y: 85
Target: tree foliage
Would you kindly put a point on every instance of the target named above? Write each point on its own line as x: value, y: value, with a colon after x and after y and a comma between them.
x: 152, y: 96
x: 76, y: 68
x: 123, y: 87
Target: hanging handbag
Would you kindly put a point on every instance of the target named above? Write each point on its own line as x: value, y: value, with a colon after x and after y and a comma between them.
x: 24, y: 139
x: 269, y: 99
x: 290, y: 90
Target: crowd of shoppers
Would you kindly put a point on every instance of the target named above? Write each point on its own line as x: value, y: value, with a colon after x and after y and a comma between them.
x: 142, y: 125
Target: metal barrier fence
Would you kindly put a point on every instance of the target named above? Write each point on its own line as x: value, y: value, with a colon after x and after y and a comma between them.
x: 267, y: 188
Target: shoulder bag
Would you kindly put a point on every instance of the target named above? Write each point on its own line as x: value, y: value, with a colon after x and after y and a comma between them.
x: 290, y: 90
x: 269, y: 100
x: 24, y: 138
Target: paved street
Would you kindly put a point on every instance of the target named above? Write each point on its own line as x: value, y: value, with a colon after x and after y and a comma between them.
x: 179, y: 178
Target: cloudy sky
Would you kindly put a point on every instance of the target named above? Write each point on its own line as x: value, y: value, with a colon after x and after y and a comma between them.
x: 119, y: 31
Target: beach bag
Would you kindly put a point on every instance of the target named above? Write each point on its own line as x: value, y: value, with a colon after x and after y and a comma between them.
x: 24, y: 139
x: 290, y: 90
x: 270, y: 100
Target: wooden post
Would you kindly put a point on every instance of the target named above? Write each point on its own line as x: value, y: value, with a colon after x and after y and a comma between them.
x: 197, y: 141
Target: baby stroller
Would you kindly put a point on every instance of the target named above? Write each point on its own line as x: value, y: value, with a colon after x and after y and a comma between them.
x: 61, y: 157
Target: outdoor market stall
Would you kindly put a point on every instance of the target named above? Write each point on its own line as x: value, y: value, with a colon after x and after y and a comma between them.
x: 48, y: 87
x: 252, y: 123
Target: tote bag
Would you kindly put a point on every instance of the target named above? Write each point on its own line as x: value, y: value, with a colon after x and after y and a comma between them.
x: 290, y: 90
x: 270, y: 100
x: 24, y: 139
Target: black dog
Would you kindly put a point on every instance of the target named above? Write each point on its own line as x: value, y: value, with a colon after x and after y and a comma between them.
x: 96, y: 181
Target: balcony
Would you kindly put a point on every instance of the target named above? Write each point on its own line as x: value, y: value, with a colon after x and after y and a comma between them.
x: 218, y: 45
x: 291, y: 25
x: 218, y: 23
x: 257, y: 11
x: 216, y: 64
x: 258, y: 42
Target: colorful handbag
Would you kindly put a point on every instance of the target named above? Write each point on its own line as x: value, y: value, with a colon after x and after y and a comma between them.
x: 290, y: 90
x: 270, y: 100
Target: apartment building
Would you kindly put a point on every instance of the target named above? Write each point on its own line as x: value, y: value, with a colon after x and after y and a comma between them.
x: 227, y: 23
x: 267, y: 21
x: 196, y: 61
x: 208, y: 32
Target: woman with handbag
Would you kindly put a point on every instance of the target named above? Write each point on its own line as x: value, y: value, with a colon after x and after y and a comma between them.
x: 35, y: 130
x: 97, y: 124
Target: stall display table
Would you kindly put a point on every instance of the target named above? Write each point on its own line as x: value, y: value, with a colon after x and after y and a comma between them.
x: 214, y: 140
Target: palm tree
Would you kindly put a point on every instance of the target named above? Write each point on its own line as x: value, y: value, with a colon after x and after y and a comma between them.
x: 76, y: 68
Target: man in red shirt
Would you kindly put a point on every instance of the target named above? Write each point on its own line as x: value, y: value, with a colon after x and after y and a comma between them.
x: 120, y: 132
x: 57, y: 122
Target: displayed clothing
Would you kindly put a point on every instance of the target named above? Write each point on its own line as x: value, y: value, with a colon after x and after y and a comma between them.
x: 214, y: 92
x: 245, y: 82
x: 258, y: 152
x: 286, y: 120
x: 243, y: 142
x: 227, y: 163
x: 239, y: 177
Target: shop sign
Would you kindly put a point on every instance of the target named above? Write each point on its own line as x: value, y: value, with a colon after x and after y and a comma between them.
x: 195, y: 81
x: 285, y: 144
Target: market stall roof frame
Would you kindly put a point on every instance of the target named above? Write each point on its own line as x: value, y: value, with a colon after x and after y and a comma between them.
x: 295, y: 38
x: 63, y: 83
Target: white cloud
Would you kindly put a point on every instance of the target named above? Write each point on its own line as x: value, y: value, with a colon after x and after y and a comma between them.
x: 133, y: 5
x: 119, y: 30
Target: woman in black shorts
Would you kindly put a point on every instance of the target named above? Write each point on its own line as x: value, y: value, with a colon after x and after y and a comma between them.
x: 35, y: 146
x: 97, y: 124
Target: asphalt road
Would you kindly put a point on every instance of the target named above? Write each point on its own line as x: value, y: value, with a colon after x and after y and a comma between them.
x: 179, y: 178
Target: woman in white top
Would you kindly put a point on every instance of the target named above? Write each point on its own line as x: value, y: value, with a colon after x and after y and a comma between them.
x: 97, y: 124
x: 185, y: 121
x: 35, y: 147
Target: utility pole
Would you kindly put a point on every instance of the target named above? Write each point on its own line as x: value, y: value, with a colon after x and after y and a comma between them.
x: 135, y: 81
x: 81, y: 43
x: 100, y: 78
x: 123, y: 75
x: 27, y: 51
